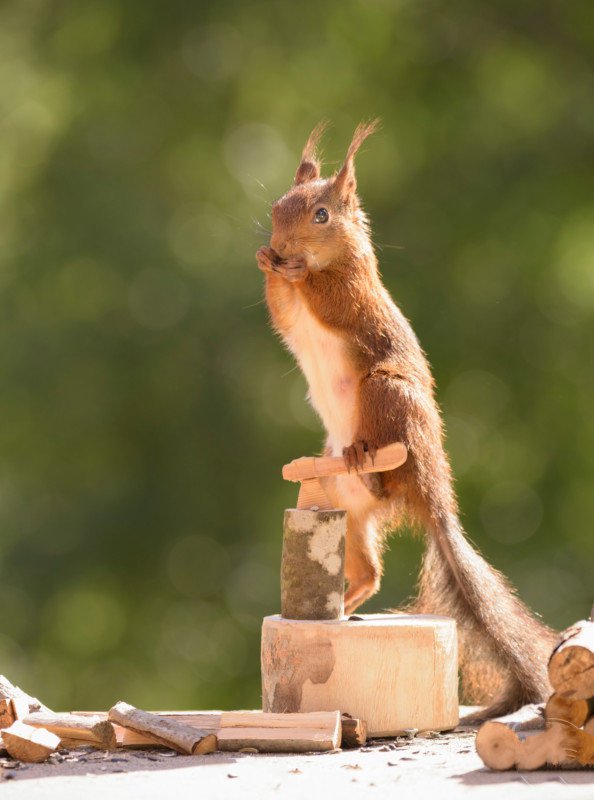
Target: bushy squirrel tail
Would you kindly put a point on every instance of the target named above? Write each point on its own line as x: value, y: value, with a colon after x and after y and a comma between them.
x: 504, y: 649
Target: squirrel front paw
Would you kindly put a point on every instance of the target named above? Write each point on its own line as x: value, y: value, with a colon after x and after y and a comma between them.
x: 354, y: 456
x: 293, y: 269
x: 267, y: 258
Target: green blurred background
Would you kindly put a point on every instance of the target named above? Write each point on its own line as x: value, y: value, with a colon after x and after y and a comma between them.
x: 146, y: 407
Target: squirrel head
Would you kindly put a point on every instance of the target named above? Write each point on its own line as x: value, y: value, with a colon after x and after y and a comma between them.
x: 321, y: 219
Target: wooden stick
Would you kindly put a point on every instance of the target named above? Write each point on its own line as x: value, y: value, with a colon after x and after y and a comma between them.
x: 26, y: 743
x: 93, y: 730
x: 176, y: 735
x: 386, y: 458
x: 571, y: 666
x: 354, y: 731
x: 10, y: 692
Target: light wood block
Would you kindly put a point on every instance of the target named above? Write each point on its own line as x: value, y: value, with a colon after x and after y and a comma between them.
x: 394, y: 671
x: 26, y: 743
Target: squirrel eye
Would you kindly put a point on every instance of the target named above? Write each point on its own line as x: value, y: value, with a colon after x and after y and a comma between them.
x: 321, y: 216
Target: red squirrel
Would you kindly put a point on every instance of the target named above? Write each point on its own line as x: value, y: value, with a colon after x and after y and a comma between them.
x: 371, y: 385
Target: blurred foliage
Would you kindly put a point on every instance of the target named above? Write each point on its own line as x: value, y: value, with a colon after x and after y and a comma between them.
x: 147, y: 408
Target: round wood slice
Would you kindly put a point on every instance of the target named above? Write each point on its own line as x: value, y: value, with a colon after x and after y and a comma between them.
x: 394, y: 671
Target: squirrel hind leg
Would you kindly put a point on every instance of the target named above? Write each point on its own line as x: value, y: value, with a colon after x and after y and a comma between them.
x: 363, y: 564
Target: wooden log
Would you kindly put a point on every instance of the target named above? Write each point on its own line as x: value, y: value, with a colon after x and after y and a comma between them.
x: 285, y: 733
x: 500, y: 748
x: 560, y: 709
x: 571, y: 666
x: 176, y: 735
x: 395, y: 671
x: 26, y: 743
x: 69, y: 727
x: 312, y: 569
x: 10, y: 692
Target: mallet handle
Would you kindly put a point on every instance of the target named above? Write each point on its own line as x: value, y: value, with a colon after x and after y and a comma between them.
x: 306, y: 468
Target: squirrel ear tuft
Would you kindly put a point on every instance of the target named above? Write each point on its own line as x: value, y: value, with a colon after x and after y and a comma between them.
x: 309, y: 168
x: 345, y: 181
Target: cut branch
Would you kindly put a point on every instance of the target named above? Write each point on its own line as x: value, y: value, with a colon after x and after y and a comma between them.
x: 176, y: 735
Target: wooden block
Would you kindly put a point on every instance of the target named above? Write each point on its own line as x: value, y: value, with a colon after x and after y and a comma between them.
x: 284, y: 733
x: 26, y: 743
x: 394, y: 671
x: 312, y: 568
x: 571, y: 666
x: 69, y: 727
x: 171, y: 733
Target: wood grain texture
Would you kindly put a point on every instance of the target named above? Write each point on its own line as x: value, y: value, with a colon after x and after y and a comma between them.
x: 91, y: 730
x: 393, y: 671
x: 571, y: 666
x: 26, y: 743
x: 172, y: 733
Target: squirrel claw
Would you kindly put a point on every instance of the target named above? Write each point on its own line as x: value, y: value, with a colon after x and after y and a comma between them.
x: 355, y: 455
x: 267, y: 258
x: 293, y: 269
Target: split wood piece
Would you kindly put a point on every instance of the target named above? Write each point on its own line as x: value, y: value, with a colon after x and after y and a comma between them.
x: 7, y: 716
x: 310, y: 470
x: 176, y: 735
x: 395, y: 671
x: 27, y: 743
x: 571, y: 666
x: 561, y: 744
x: 560, y: 709
x: 22, y: 700
x: 312, y: 565
x: 354, y: 731
x: 69, y: 727
x: 284, y: 733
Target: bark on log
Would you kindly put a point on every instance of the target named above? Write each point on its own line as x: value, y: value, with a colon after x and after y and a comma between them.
x: 26, y: 743
x: 176, y: 735
x: 312, y: 569
x: 69, y: 727
x: 571, y: 666
x: 10, y: 692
